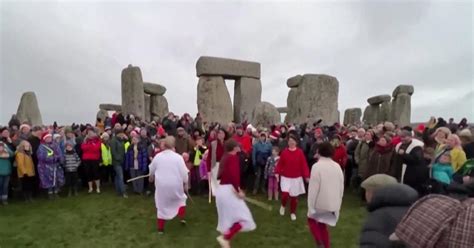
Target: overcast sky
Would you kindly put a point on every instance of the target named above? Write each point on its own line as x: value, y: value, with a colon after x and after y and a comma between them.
x: 72, y: 54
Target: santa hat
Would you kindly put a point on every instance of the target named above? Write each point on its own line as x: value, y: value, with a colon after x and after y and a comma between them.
x: 23, y: 126
x: 420, y: 128
x: 46, y: 135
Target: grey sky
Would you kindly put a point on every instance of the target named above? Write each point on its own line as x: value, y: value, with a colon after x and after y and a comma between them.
x: 72, y: 54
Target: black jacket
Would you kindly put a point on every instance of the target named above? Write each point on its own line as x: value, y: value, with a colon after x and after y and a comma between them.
x: 387, y: 208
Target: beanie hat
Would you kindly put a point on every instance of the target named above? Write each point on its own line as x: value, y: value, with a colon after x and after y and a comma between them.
x: 24, y: 125
x: 70, y: 143
x: 46, y: 135
x: 465, y: 133
x: 377, y: 181
x: 105, y: 135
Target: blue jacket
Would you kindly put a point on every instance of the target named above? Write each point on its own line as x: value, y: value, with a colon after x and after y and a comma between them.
x: 260, y: 153
x: 6, y: 163
x: 142, y: 158
x: 443, y: 173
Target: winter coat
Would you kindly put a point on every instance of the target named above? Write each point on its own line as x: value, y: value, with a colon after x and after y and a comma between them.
x: 183, y: 144
x: 71, y: 161
x: 24, y: 163
x: 142, y: 158
x: 106, y: 154
x: 117, y: 149
x: 387, y: 208
x: 442, y: 173
x: 416, y: 172
x: 380, y: 161
x: 91, y: 149
x: 362, y: 154
x: 469, y: 150
x: 260, y: 153
x: 6, y: 163
x: 340, y: 156
x: 458, y: 158
x: 50, y: 172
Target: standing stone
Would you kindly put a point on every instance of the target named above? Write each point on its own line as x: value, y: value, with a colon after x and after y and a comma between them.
x: 292, y: 105
x: 265, y: 114
x: 147, y: 108
x: 403, y: 88
x: 102, y: 114
x: 385, y: 111
x: 294, y: 82
x: 28, y: 109
x: 213, y: 100
x: 133, y: 101
x: 401, y: 109
x: 371, y: 115
x: 110, y: 107
x: 247, y: 94
x: 352, y: 116
x: 316, y: 98
x: 158, y: 106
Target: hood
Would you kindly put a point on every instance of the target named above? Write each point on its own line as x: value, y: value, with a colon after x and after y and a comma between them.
x: 393, y: 196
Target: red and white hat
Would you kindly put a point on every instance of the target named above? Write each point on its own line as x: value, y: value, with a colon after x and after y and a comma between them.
x: 46, y: 135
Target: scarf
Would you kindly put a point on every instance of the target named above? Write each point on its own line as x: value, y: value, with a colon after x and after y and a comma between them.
x: 383, y: 149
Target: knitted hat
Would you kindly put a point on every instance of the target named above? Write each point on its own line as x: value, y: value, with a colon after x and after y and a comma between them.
x: 377, y: 181
x: 70, y: 143
x: 23, y: 126
x: 465, y: 133
x: 46, y: 135
x: 105, y: 135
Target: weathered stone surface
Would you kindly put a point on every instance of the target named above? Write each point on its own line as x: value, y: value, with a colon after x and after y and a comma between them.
x: 315, y: 98
x: 154, y: 89
x: 376, y: 100
x: 147, y: 107
x: 213, y: 100
x: 247, y: 94
x: 133, y: 101
x: 227, y: 68
x: 352, y: 116
x: 110, y: 107
x: 292, y: 103
x: 102, y: 114
x: 403, y: 89
x: 28, y: 109
x: 371, y: 115
x: 294, y: 82
x: 385, y: 112
x: 158, y: 107
x: 282, y: 110
x: 265, y: 114
x: 401, y: 109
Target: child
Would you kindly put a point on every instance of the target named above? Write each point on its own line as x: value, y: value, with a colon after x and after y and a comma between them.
x: 189, y: 165
x: 442, y: 171
x: 5, y: 171
x: 25, y: 169
x: 72, y: 162
x: 196, y: 158
x: 233, y: 214
x: 270, y: 173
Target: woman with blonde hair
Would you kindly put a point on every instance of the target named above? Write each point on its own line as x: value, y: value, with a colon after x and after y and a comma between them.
x: 25, y: 169
x: 458, y: 156
x: 440, y: 136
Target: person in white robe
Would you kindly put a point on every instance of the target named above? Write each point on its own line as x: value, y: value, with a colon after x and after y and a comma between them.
x: 170, y: 174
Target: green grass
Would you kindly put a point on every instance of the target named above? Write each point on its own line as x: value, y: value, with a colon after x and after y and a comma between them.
x: 108, y: 221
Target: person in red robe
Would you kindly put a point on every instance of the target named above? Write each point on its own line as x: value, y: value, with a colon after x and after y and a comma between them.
x: 216, y: 151
x: 293, y: 169
x: 233, y: 214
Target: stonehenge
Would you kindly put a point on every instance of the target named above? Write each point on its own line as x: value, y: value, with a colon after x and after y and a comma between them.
x: 313, y: 97
x: 28, y: 109
x: 213, y: 99
x: 141, y: 99
x: 265, y: 114
x: 383, y: 108
x: 214, y: 103
x: 133, y: 101
x: 352, y: 116
x: 110, y: 107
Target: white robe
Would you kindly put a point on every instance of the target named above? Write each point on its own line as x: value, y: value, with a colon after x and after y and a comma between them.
x: 231, y: 209
x: 170, y: 174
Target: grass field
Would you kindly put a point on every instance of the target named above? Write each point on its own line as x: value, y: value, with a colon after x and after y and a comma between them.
x: 108, y: 221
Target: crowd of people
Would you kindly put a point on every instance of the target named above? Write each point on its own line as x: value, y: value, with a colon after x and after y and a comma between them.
x: 391, y: 167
